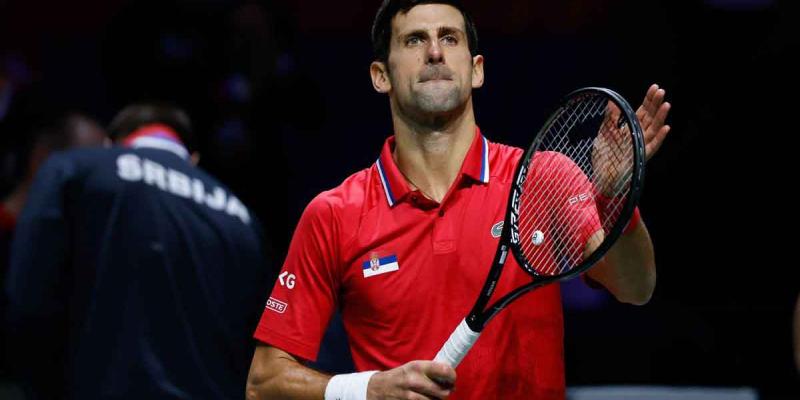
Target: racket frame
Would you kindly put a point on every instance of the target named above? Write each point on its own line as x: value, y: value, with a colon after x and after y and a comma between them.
x: 510, y: 240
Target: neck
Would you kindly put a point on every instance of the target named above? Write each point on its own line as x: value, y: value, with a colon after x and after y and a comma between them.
x: 430, y: 154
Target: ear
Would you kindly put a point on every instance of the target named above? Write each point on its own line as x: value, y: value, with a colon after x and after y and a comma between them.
x: 477, y: 71
x: 380, y: 77
x: 195, y: 158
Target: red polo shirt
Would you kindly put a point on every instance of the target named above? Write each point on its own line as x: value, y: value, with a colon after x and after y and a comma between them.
x: 405, y: 270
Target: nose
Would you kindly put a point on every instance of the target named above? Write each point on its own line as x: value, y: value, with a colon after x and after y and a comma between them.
x: 435, y: 54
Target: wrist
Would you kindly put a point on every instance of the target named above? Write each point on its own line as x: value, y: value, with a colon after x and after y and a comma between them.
x: 604, y: 206
x: 348, y: 386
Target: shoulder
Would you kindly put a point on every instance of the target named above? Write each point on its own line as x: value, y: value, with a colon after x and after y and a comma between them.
x: 552, y: 160
x: 70, y: 164
x: 503, y: 160
x: 82, y: 156
x: 346, y: 200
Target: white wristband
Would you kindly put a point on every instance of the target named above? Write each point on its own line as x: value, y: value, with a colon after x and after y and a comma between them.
x: 348, y: 386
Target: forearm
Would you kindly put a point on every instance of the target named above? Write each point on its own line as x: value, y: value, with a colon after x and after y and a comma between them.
x: 628, y: 270
x: 276, y: 375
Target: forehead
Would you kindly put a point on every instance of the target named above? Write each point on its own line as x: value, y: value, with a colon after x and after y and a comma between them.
x: 427, y: 17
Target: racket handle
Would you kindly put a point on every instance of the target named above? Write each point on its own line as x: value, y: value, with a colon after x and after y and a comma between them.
x: 457, y: 346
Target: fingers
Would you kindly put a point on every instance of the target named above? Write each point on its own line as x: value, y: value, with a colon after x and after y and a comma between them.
x: 414, y: 380
x: 653, y: 97
x: 655, y: 122
x: 431, y: 378
x: 652, y: 116
x: 650, y: 107
x: 661, y: 115
x: 648, y: 99
x: 440, y: 372
x: 654, y: 144
x: 651, y: 91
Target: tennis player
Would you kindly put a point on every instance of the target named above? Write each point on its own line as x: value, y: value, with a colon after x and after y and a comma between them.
x: 402, y: 247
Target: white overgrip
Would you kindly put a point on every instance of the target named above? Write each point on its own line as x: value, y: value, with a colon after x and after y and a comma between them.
x: 457, y: 346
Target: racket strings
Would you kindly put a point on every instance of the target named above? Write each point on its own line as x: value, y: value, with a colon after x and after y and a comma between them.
x: 604, y: 161
x: 546, y: 197
x: 561, y: 226
x: 561, y: 146
x: 541, y: 192
x: 622, y: 153
x: 613, y: 141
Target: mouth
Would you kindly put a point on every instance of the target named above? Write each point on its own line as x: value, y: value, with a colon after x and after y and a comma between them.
x: 435, y: 80
x: 435, y: 75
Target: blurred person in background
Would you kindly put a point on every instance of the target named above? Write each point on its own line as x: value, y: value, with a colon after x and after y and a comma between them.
x: 68, y: 130
x: 37, y: 139
x: 138, y: 274
x: 233, y: 66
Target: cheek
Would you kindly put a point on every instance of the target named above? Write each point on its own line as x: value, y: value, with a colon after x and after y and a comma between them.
x: 466, y: 79
x: 402, y: 70
x: 464, y: 69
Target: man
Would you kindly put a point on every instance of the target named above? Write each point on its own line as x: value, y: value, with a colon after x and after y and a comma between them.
x: 402, y: 248
x: 140, y: 274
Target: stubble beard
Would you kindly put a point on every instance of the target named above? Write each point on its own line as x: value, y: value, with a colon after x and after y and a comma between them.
x: 437, y: 100
x: 435, y: 108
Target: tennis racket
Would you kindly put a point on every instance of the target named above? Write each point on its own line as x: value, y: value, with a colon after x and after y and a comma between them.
x: 574, y: 191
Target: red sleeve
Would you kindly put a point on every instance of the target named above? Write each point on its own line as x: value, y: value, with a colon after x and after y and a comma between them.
x: 579, y: 211
x: 304, y: 296
x: 577, y: 214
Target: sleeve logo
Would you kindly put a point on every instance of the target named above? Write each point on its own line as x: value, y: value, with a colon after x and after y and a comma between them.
x: 276, y: 305
x: 578, y: 199
x: 287, y: 279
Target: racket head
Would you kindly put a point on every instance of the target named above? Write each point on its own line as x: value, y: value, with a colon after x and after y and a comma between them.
x: 577, y: 185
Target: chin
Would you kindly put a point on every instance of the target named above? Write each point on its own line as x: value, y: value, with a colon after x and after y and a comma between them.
x: 439, y: 102
x: 439, y: 109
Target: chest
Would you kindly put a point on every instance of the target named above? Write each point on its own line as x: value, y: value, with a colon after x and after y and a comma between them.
x: 405, y: 259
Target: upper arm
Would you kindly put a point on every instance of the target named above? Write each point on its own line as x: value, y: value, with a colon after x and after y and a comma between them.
x: 305, y: 295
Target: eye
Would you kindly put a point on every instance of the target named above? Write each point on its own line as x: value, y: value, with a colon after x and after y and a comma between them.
x: 413, y: 41
x: 450, y: 40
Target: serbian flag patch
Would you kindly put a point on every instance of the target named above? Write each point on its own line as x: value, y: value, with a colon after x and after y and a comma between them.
x: 380, y: 265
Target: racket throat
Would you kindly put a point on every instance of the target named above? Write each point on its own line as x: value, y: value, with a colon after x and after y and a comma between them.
x: 477, y: 317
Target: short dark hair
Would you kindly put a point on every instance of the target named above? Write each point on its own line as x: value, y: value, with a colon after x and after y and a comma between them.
x: 135, y: 116
x: 382, y: 26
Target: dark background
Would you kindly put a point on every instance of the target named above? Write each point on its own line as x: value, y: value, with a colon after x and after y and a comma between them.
x: 283, y: 106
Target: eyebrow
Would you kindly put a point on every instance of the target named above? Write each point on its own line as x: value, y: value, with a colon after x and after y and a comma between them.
x: 441, y: 31
x: 447, y: 30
